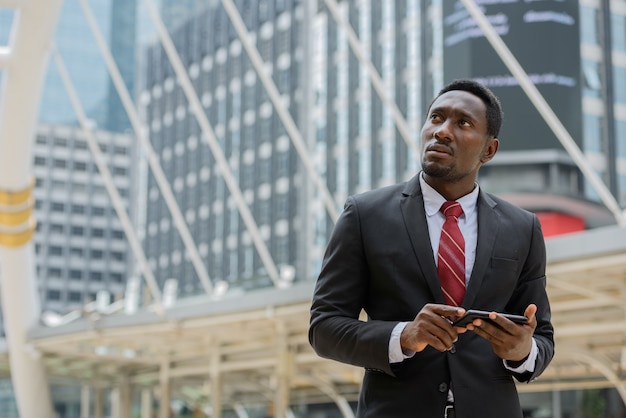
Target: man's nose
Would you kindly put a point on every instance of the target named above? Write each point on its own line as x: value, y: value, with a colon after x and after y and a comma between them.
x: 442, y: 133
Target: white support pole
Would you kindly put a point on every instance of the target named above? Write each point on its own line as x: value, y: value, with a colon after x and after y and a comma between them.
x: 284, y: 372
x: 146, y: 403
x: 375, y: 79
x: 24, y: 66
x: 85, y: 394
x: 208, y: 134
x: 545, y: 111
x: 215, y: 377
x: 164, y: 389
x: 153, y: 159
x: 5, y: 57
x: 115, y: 402
x: 98, y: 403
x: 13, y: 4
x: 283, y: 114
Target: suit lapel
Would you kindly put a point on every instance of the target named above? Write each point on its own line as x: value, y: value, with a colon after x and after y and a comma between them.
x: 414, y: 216
x: 488, y: 223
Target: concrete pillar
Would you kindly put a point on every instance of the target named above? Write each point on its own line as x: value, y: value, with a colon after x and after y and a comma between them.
x: 125, y: 391
x: 98, y: 403
x: 146, y: 403
x: 284, y: 371
x: 164, y: 386
x: 85, y: 393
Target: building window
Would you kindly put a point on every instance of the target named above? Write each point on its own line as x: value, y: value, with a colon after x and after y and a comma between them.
x: 78, y: 209
x: 95, y: 276
x: 58, y: 207
x: 97, y: 211
x: 74, y: 297
x: 60, y: 163
x: 97, y: 254
x: 53, y: 295
x: 76, y: 274
x: 117, y: 256
x: 54, y: 273
x: 78, y: 231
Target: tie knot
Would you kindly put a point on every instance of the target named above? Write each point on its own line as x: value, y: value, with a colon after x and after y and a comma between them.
x: 452, y: 208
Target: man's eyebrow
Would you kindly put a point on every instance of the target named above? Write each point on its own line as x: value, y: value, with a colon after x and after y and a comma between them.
x: 461, y: 112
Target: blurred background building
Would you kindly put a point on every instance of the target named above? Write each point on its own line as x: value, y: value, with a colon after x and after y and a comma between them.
x: 575, y: 53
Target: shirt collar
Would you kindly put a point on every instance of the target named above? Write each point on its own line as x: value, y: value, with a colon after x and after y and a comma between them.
x: 433, y: 200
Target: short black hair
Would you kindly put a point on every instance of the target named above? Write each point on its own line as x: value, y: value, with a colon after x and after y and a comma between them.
x: 492, y: 103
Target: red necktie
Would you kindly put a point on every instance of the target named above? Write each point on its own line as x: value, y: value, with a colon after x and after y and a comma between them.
x: 451, y: 258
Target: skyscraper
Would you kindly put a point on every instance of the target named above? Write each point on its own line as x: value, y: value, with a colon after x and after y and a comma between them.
x: 249, y: 133
x: 76, y: 45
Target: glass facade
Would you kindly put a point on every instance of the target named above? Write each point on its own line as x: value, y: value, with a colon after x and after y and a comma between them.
x: 251, y: 136
x: 77, y: 47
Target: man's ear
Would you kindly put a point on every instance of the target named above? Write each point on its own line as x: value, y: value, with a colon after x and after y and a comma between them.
x: 490, y: 150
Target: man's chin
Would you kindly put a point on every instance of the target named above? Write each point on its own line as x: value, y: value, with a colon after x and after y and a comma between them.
x: 436, y: 171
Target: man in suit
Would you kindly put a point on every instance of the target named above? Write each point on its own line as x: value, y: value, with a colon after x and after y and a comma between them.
x: 383, y: 257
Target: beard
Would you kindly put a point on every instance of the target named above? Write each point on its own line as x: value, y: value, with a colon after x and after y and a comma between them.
x: 436, y: 170
x: 442, y: 172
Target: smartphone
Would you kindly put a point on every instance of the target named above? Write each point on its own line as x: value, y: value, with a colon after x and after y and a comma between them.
x: 472, y: 314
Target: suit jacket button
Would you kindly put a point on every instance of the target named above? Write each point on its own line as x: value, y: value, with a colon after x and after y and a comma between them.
x: 443, y: 387
x: 452, y: 350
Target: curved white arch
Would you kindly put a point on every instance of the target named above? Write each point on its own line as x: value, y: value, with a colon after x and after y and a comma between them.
x: 328, y: 389
x: 24, y: 62
x: 599, y: 362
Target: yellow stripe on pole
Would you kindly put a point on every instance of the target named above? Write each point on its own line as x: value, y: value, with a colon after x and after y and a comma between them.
x: 17, y: 238
x: 13, y: 216
x: 17, y: 197
x: 17, y: 224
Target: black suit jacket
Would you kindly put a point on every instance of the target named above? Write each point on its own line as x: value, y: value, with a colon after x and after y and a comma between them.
x: 380, y: 259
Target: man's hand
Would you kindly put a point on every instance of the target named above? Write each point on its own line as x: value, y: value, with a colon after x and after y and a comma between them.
x: 432, y: 327
x: 508, y: 340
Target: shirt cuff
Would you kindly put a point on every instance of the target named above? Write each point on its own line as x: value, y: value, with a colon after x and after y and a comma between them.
x: 396, y: 354
x: 529, y: 364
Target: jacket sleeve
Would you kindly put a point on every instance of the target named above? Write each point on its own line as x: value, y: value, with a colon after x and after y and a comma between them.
x: 341, y: 292
x: 532, y: 289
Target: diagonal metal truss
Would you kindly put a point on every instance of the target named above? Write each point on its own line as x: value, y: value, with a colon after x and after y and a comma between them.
x: 153, y: 162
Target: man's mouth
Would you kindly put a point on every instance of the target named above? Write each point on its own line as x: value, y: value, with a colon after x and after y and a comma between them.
x: 439, y: 149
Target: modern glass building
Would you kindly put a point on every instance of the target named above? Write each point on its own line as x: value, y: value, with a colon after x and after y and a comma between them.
x: 250, y: 134
x: 75, y: 43
x: 351, y: 133
x: 352, y: 137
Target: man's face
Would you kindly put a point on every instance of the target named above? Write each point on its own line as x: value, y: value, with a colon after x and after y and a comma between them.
x: 455, y: 142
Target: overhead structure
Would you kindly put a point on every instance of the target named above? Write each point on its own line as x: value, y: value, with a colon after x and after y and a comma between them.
x: 244, y: 350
